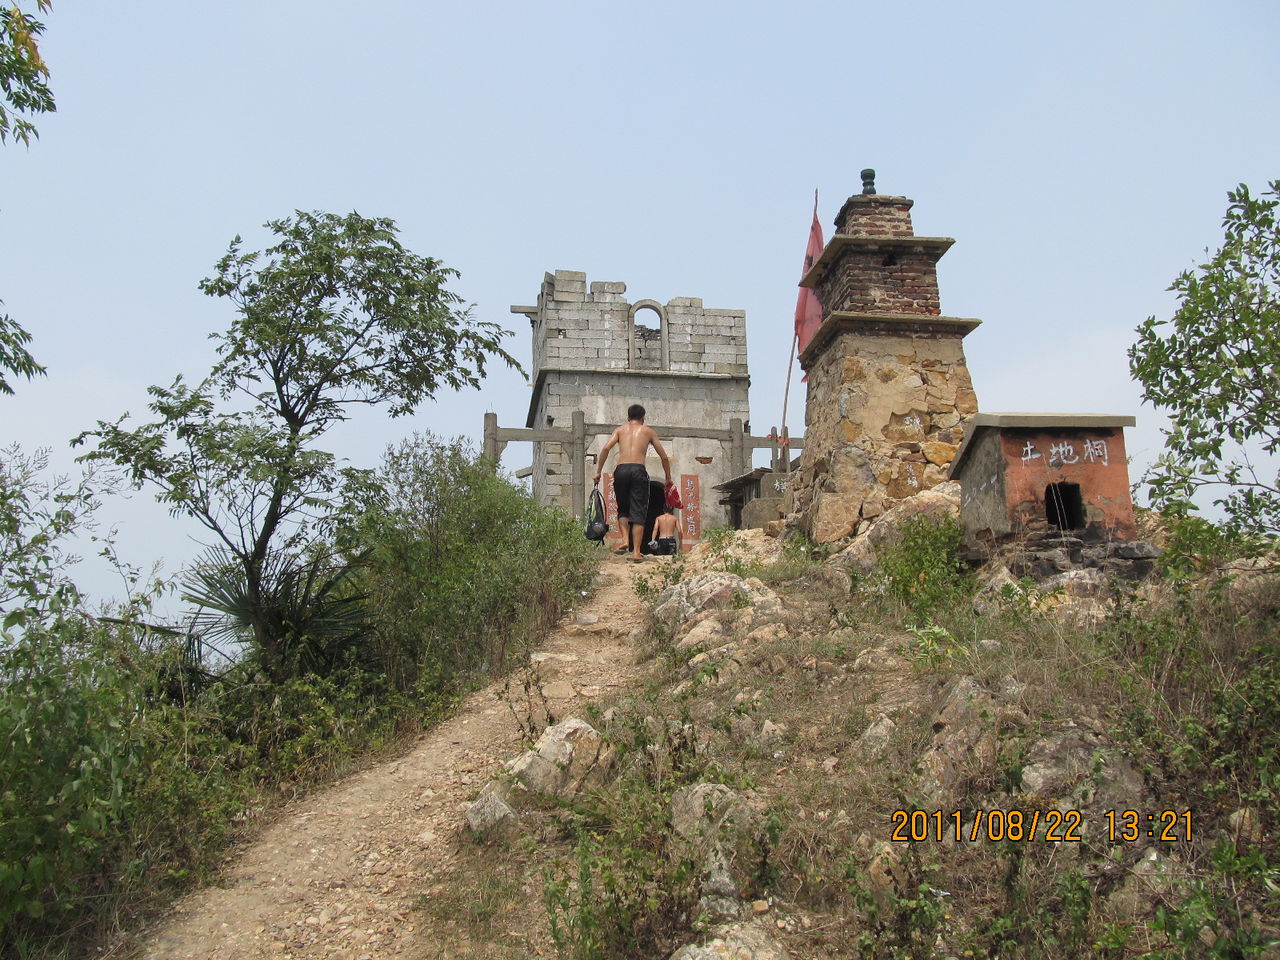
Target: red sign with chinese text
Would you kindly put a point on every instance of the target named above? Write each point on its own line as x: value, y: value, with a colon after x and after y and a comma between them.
x: 611, y: 510
x: 691, y: 516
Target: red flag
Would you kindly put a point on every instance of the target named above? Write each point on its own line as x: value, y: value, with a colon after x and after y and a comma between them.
x: 808, y: 309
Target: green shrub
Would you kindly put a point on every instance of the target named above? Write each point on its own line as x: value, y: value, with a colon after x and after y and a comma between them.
x: 126, y: 764
x: 72, y: 748
x: 922, y: 569
x: 633, y: 891
x: 105, y: 790
x: 464, y: 568
x: 633, y: 888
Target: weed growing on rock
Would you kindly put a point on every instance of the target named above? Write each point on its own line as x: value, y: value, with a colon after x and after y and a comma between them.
x: 922, y: 569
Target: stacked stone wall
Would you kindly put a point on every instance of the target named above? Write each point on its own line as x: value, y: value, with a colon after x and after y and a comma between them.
x: 884, y: 418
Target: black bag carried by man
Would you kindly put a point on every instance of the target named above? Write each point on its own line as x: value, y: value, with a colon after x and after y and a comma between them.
x: 596, y: 528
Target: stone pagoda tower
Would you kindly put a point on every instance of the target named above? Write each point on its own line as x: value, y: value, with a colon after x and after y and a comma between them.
x: 889, y: 392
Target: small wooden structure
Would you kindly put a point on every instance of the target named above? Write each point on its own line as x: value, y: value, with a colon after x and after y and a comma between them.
x: 755, y: 498
x: 1024, y: 475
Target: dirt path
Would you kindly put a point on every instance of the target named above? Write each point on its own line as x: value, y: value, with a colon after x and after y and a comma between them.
x: 336, y: 877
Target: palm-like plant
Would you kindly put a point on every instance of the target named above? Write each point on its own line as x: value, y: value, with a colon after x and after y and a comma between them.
x: 313, y: 609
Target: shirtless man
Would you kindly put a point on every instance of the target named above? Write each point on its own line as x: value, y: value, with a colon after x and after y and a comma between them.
x: 630, y: 479
x: 666, y: 534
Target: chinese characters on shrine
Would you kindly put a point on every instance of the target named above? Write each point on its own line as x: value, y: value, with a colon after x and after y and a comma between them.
x: 1066, y: 452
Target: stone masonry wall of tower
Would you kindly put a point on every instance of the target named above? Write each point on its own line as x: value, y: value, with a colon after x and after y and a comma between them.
x: 889, y: 392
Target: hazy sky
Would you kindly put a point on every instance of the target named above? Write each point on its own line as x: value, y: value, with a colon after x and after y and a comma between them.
x: 1079, y: 153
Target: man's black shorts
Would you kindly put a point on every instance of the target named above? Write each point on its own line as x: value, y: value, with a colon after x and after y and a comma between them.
x: 631, y: 485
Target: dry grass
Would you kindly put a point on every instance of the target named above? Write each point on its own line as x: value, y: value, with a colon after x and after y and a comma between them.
x: 1159, y: 662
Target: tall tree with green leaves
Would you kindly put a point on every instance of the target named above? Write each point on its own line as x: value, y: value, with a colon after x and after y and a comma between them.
x: 1213, y: 367
x: 23, y: 72
x: 336, y: 314
x: 14, y: 356
x: 23, y: 94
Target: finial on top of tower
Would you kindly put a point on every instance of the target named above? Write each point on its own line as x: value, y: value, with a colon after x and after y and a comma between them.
x: 868, y: 181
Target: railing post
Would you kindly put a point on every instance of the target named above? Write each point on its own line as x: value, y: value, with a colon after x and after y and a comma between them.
x: 578, y: 451
x: 736, y: 447
x: 491, y: 449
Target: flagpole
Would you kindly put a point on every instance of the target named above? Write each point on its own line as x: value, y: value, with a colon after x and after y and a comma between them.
x: 786, y: 392
x: 785, y: 440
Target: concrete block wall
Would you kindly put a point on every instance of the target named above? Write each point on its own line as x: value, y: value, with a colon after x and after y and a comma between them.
x: 589, y: 326
x: 703, y: 340
x: 596, y: 351
x: 577, y: 326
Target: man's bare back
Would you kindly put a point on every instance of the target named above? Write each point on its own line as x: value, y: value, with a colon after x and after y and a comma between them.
x: 633, y: 441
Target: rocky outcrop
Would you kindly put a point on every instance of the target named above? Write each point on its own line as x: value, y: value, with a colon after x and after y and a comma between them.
x: 708, y: 591
x: 753, y: 546
x: 569, y: 757
x: 735, y: 941
x: 860, y: 556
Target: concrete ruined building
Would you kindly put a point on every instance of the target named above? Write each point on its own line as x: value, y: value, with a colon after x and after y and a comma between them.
x: 889, y: 392
x: 595, y: 353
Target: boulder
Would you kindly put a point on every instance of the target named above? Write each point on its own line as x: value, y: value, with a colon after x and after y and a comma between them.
x: 860, y: 556
x: 735, y: 941
x: 833, y: 516
x: 887, y: 874
x: 964, y: 737
x: 704, y: 634
x: 490, y: 815
x: 750, y: 547
x: 718, y: 900
x: 700, y: 812
x: 876, y: 737
x: 1151, y: 880
x: 568, y: 757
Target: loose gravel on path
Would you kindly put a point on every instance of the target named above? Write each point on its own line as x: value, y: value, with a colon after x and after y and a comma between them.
x: 336, y: 876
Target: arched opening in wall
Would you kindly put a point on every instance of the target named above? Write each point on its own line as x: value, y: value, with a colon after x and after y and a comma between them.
x: 648, y: 324
x: 1064, y: 506
x: 648, y: 338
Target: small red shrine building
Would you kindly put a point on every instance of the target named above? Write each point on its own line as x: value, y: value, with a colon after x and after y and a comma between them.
x: 1027, y: 475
